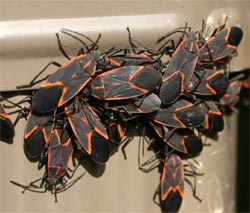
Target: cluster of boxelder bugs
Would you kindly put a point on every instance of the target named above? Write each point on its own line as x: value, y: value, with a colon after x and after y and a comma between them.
x: 178, y: 91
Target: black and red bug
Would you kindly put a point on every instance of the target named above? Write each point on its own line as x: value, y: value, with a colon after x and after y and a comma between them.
x: 89, y: 131
x: 180, y: 114
x: 68, y: 80
x: 244, y: 77
x: 115, y: 127
x: 221, y: 45
x: 207, y: 82
x: 182, y: 140
x: 58, y: 157
x: 232, y: 95
x: 174, y: 174
x: 213, y: 121
x: 179, y: 70
x: 7, y: 127
x: 7, y: 131
x: 65, y: 83
x: 172, y: 184
x: 60, y: 153
x: 37, y: 133
x: 125, y: 83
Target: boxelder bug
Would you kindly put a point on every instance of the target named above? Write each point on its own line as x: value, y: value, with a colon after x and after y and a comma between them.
x: 180, y: 70
x: 172, y: 184
x: 213, y: 121
x: 245, y: 89
x: 7, y: 131
x: 58, y: 156
x: 125, y: 83
x: 221, y: 45
x: 37, y: 133
x: 233, y: 91
x: 208, y: 82
x: 182, y: 139
x: 89, y: 131
x: 67, y: 81
x: 181, y: 114
x: 231, y: 97
x: 173, y: 175
x: 60, y: 152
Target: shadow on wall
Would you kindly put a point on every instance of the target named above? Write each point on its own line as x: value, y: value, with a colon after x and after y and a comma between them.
x: 243, y: 160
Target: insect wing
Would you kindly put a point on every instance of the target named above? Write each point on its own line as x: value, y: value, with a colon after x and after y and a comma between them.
x: 148, y: 103
x: 180, y: 114
x: 125, y: 82
x: 37, y: 133
x: 213, y: 121
x: 64, y: 84
x: 221, y: 45
x: 95, y: 121
x: 94, y: 144
x: 180, y: 68
x: 208, y: 82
